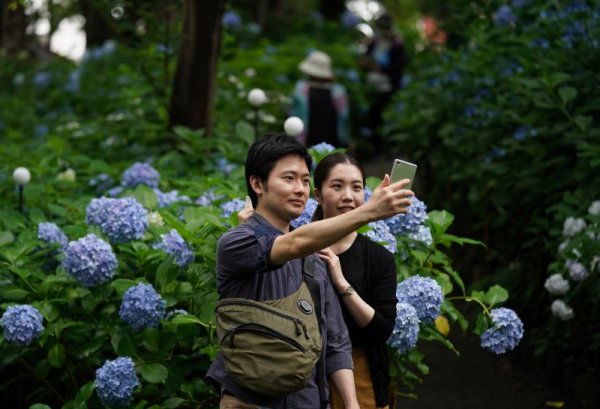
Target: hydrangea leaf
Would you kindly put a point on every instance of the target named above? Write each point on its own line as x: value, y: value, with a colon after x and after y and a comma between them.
x: 496, y: 294
x: 440, y: 221
x: 146, y: 196
x: 6, y: 237
x: 12, y: 293
x: 85, y: 392
x: 154, y: 373
x: 56, y: 355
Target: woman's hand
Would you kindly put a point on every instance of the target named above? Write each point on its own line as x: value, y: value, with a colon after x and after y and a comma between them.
x: 335, y: 269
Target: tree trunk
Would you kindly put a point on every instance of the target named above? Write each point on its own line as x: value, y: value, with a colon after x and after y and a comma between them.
x: 195, y: 77
x: 332, y: 9
x: 12, y: 28
x: 97, y: 27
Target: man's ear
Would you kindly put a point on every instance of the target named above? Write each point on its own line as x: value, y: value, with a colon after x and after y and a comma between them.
x: 256, y: 185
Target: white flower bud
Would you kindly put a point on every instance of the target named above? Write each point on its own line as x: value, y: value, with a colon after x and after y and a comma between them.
x: 562, y: 310
x: 68, y: 175
x: 155, y: 219
x: 257, y: 97
x: 293, y: 126
x: 556, y: 284
x: 21, y: 176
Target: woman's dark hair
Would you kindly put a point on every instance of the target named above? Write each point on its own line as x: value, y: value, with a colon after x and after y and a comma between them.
x: 323, y: 170
x: 265, y: 152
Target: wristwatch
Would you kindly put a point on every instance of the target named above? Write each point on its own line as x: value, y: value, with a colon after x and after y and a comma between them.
x: 348, y: 291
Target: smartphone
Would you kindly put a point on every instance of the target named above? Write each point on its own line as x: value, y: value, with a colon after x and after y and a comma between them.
x: 403, y: 170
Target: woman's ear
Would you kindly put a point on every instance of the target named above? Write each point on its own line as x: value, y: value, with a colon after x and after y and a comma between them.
x: 318, y: 195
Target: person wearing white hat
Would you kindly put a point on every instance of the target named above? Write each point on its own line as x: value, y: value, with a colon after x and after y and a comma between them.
x: 321, y: 103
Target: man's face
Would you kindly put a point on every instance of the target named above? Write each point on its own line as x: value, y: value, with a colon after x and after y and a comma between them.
x: 283, y: 197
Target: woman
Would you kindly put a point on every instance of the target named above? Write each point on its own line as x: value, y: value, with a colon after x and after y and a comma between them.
x: 364, y: 274
x: 321, y: 103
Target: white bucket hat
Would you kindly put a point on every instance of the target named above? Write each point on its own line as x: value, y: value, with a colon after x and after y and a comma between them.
x: 317, y: 64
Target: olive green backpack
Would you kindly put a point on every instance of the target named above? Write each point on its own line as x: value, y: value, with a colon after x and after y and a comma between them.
x: 272, y: 347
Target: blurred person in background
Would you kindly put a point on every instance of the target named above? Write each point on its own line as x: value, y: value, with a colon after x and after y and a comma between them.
x: 321, y: 103
x: 384, y: 61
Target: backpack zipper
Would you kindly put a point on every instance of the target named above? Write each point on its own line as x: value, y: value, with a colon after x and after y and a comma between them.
x: 300, y: 326
x: 261, y: 329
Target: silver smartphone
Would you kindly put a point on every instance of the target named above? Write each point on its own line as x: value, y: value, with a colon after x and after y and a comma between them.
x: 403, y: 170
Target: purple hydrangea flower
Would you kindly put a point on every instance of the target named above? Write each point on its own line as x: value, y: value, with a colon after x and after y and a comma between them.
x: 115, y: 191
x: 423, y: 293
x: 22, y: 324
x: 122, y: 220
x: 165, y: 199
x: 307, y: 213
x: 380, y: 232
x: 90, y: 261
x: 506, y: 331
x: 406, y: 328
x: 115, y: 382
x: 140, y: 174
x: 232, y: 206
x: 524, y: 132
x: 51, y: 233
x: 173, y: 244
x: 142, y: 307
x: 411, y: 222
x: 504, y: 16
x: 42, y: 79
x: 349, y: 19
x: 225, y: 166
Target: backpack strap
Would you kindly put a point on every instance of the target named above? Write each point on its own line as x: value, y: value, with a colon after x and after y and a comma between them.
x: 308, y: 268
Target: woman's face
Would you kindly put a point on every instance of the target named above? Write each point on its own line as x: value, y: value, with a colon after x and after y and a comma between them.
x: 341, y: 191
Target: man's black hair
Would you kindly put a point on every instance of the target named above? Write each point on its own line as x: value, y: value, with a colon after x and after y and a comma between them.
x: 265, y: 152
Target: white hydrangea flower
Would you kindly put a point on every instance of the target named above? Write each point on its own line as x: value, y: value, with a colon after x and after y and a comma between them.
x: 577, y: 271
x: 155, y: 219
x: 556, y: 284
x: 563, y: 246
x: 594, y: 208
x: 573, y: 226
x: 562, y: 310
x: 595, y: 263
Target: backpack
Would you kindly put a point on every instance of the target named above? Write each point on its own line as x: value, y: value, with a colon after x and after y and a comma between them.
x: 272, y: 347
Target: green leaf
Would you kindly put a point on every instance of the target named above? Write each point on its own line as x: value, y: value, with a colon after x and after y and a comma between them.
x: 181, y: 319
x: 56, y: 355
x: 172, y: 403
x: 479, y: 295
x: 121, y: 285
x: 440, y: 220
x: 567, y: 94
x: 154, y: 373
x: 11, y: 293
x: 496, y: 294
x: 245, y: 131
x: 39, y: 406
x: 146, y: 196
x: 85, y: 393
x: 583, y: 122
x: 481, y: 324
x: 6, y: 237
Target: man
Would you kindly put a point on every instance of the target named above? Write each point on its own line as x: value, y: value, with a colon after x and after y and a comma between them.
x: 261, y: 260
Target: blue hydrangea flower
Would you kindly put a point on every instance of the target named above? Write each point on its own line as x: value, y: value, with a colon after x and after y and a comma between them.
x: 404, y: 224
x: 22, y: 324
x: 307, y: 213
x: 142, y: 307
x: 173, y: 244
x: 349, y: 19
x: 115, y: 191
x: 368, y: 193
x: 232, y: 206
x: 165, y: 199
x: 423, y: 293
x: 380, y: 232
x: 140, y: 174
x: 423, y: 234
x: 115, y: 382
x: 90, y: 261
x: 225, y: 166
x: 42, y: 79
x: 51, y: 233
x: 207, y: 198
x: 506, y: 331
x: 406, y: 328
x: 504, y: 16
x: 323, y: 148
x: 231, y: 19
x: 122, y: 220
